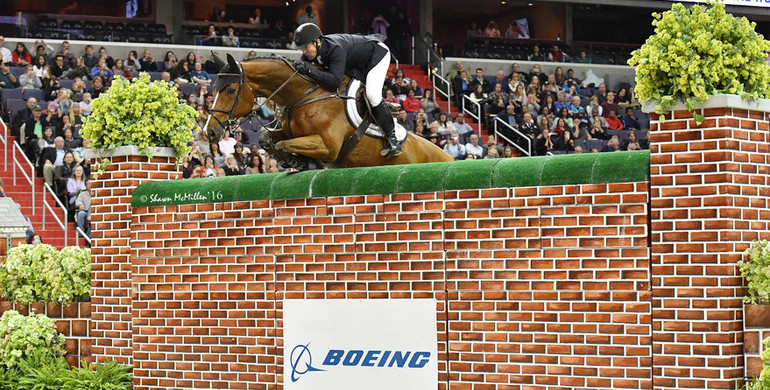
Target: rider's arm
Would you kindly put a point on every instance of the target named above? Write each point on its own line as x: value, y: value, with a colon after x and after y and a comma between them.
x: 332, y: 78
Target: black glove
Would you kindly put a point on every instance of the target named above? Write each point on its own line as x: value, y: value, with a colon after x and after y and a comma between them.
x: 303, y: 67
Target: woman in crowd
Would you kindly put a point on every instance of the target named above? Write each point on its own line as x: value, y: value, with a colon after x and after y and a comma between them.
x: 559, y: 76
x: 21, y: 56
x: 550, y: 103
x: 519, y: 98
x: 65, y: 171
x: 543, y: 142
x: 120, y: 70
x: 39, y: 66
x: 70, y: 141
x: 256, y: 165
x: 78, y: 89
x: 101, y: 70
x: 51, y: 88
x: 533, y: 102
x: 85, y: 105
x: 78, y: 71
x: 417, y: 90
x: 132, y: 62
x: 97, y: 87
x: 147, y: 62
x: 169, y: 61
x: 64, y: 102
x: 507, y: 152
x: 183, y: 73
x: 211, y: 166
x: 560, y: 127
x: 232, y: 168
x: 411, y: 104
x: 445, y: 126
x: 30, y: 80
x: 76, y: 183
x: 514, y: 82
x: 563, y: 114
x: 565, y: 143
x: 216, y: 154
x: 46, y: 141
x: 240, y: 157
x: 492, y: 153
x: 427, y: 101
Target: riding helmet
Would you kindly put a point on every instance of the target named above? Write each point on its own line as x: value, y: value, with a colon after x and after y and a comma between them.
x: 306, y: 33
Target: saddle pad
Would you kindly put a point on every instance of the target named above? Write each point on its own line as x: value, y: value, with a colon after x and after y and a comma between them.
x: 355, y: 119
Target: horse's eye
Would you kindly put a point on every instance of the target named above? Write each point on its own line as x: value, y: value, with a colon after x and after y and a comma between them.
x: 230, y: 91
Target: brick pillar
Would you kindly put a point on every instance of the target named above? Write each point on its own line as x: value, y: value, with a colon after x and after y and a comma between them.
x: 709, y: 200
x: 111, y: 292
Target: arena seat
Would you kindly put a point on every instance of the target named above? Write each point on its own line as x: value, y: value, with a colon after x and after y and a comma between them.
x: 35, y: 93
x: 15, y: 93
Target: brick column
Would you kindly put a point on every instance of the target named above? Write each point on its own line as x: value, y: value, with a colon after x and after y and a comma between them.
x: 111, y: 293
x: 709, y: 200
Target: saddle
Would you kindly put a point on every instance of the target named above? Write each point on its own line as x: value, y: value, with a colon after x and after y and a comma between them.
x: 356, y: 109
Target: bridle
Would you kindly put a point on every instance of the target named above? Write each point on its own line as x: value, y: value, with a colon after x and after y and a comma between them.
x: 232, y: 123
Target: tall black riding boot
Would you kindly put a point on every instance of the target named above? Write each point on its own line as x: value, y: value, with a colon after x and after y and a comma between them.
x: 384, y: 119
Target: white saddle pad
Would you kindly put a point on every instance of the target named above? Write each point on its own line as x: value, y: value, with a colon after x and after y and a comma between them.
x: 355, y: 118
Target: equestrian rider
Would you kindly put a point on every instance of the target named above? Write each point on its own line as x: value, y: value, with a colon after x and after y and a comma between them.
x: 363, y: 57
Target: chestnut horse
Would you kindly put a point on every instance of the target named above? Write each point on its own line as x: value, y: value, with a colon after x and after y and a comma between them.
x: 313, y: 122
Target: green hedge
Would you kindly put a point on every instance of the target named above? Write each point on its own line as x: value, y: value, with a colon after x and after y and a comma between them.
x: 587, y: 168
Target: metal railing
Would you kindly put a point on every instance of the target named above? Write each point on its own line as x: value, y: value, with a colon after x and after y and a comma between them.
x: 63, y: 224
x: 499, y: 122
x: 478, y: 115
x: 4, y: 138
x: 82, y: 234
x: 437, y: 90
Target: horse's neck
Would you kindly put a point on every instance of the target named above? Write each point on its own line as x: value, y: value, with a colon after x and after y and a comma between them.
x: 267, y: 76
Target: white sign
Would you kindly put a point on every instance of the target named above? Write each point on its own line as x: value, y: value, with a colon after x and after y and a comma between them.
x: 743, y: 3
x: 375, y: 344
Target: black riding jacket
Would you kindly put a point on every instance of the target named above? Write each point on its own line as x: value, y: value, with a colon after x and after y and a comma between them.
x: 345, y: 54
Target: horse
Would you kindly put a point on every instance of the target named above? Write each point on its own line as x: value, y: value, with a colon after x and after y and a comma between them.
x: 313, y: 124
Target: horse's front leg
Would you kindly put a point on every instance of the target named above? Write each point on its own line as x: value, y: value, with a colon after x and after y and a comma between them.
x: 311, y: 146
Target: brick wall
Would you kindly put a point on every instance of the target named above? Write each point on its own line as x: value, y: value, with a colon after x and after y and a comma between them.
x: 544, y: 286
x: 756, y: 328
x: 111, y: 292
x: 709, y: 197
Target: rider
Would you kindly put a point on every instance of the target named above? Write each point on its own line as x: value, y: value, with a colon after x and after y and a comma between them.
x: 363, y: 57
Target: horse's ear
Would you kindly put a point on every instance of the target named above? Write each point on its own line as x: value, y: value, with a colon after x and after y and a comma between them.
x: 218, y: 61
x: 233, y: 65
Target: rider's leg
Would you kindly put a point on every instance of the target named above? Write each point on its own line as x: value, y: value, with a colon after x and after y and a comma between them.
x: 380, y: 110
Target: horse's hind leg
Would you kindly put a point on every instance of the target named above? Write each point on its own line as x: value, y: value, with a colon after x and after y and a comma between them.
x: 268, y: 141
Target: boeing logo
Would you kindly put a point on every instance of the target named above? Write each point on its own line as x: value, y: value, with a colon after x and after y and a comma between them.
x: 301, y: 360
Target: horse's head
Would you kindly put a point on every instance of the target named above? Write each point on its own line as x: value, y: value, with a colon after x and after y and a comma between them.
x: 233, y: 98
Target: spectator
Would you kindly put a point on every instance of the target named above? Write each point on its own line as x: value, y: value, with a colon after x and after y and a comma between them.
x: 455, y: 149
x: 613, y: 123
x: 216, y: 153
x: 629, y: 121
x: 252, y: 55
x: 33, y: 127
x: 120, y: 70
x: 256, y: 165
x: 624, y: 98
x: 21, y: 116
x: 211, y: 168
x: 58, y: 67
x: 464, y: 130
x: 229, y: 39
x: 231, y: 166
x: 543, y: 143
x: 21, y: 56
x: 391, y: 99
x: 39, y: 66
x: 5, y: 54
x: 477, y: 96
x: 97, y: 88
x: 418, y: 92
x: 101, y: 70
x: 594, y: 106
x: 455, y: 73
x: 536, y: 55
x: 52, y: 158
x: 241, y: 157
x: 583, y: 58
x: 560, y: 127
x: 402, y: 120
x: 147, y: 63
x: 434, y: 136
x: 64, y: 172
x: 34, y: 239
x: 631, y: 143
x: 7, y: 79
x: 480, y: 80
x: 76, y: 184
x: 89, y: 59
x: 445, y: 126
x: 565, y: 143
x: 613, y: 145
x: 610, y: 104
x: 597, y: 131
x: 70, y: 141
x: 67, y: 56
x: 508, y: 152
x: 421, y: 119
x: 79, y: 71
x: 578, y: 130
x: 199, y: 75
x: 473, y: 149
x: 380, y: 26
x: 44, y: 50
x: 556, y: 55
x: 574, y: 106
x: 461, y: 86
x: 83, y: 207
x: 597, y: 118
x: 85, y: 105
x: 473, y: 31
x: 227, y: 143
x: 427, y: 102
x: 258, y: 21
x: 131, y: 62
x: 601, y: 93
x: 29, y: 79
x: 308, y: 16
x: 492, y: 153
x: 491, y: 31
x: 530, y: 129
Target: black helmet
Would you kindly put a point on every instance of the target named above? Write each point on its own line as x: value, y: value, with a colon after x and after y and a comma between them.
x: 306, y: 33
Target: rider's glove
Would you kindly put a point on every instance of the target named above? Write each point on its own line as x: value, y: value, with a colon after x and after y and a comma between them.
x: 303, y: 68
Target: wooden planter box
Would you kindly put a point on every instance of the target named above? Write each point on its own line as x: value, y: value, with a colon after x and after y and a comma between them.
x: 756, y: 327
x: 72, y: 320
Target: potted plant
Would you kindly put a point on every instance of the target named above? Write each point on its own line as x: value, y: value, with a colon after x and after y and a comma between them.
x: 697, y: 52
x: 141, y: 115
x: 755, y: 268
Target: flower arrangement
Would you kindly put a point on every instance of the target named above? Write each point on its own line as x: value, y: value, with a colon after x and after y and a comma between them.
x: 700, y: 51
x: 142, y: 113
x: 27, y: 336
x: 755, y: 268
x: 43, y: 274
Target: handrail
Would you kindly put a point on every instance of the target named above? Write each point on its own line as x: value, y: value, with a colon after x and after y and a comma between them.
x: 447, y: 95
x: 4, y: 138
x: 83, y: 234
x: 515, y: 130
x: 30, y: 178
x: 478, y: 115
x: 63, y: 225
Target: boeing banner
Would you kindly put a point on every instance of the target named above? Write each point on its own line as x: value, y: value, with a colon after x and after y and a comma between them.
x: 376, y: 344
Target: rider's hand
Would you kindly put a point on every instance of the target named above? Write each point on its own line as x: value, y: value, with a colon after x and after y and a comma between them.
x: 303, y: 67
